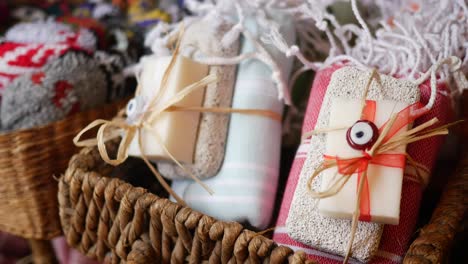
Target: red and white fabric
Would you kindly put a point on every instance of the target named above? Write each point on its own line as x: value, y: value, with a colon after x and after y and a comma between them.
x: 395, y: 238
x: 19, y: 58
x: 27, y: 47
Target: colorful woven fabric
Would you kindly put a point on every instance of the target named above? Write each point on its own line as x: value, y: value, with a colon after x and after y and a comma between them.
x: 91, y: 24
x: 30, y: 46
x: 395, y: 239
x: 65, y: 86
x: 51, y: 32
x: 17, y: 59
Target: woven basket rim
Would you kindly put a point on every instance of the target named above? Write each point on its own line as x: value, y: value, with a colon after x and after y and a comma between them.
x: 82, y: 170
x: 29, y: 159
x: 233, y: 236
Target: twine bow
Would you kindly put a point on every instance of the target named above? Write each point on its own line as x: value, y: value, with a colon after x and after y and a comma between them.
x: 128, y: 128
x: 387, y: 141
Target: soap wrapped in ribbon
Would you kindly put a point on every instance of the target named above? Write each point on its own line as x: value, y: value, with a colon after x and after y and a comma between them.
x: 348, y: 149
x: 410, y: 72
x: 177, y: 130
x: 194, y: 138
x: 150, y: 116
x: 326, y: 238
x: 245, y: 186
x: 203, y: 39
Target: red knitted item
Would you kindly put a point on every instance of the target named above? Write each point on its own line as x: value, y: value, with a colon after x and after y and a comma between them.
x: 395, y: 238
x: 19, y: 58
x: 88, y: 23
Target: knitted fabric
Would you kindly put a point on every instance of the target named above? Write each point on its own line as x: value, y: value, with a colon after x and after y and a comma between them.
x: 30, y: 46
x: 51, y: 32
x: 93, y: 25
x: 72, y: 83
x: 21, y: 58
x: 113, y: 64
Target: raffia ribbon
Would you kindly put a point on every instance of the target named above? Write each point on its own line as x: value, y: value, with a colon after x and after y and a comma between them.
x: 108, y: 130
x: 378, y: 154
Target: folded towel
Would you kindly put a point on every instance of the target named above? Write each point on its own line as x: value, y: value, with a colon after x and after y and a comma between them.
x: 394, y: 239
x: 202, y: 39
x: 245, y: 186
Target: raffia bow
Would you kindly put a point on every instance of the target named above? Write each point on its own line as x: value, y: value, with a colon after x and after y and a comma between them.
x: 380, y: 154
x: 119, y: 127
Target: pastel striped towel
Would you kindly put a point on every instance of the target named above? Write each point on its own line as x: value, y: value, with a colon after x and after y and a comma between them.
x: 245, y: 186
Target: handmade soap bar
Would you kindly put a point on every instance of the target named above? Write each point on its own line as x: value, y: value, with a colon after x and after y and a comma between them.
x: 300, y: 214
x: 177, y: 130
x: 201, y: 39
x: 384, y: 182
x: 245, y: 186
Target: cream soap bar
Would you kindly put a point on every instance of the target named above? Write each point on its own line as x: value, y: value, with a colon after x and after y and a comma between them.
x: 178, y: 130
x: 384, y: 182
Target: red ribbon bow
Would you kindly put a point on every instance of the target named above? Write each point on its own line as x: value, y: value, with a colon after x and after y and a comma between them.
x: 350, y: 166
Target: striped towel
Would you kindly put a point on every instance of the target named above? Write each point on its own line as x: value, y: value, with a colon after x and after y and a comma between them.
x: 245, y: 186
x: 395, y: 239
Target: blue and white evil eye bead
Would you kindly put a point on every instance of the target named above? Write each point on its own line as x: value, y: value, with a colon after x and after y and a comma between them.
x: 362, y: 135
x: 135, y: 107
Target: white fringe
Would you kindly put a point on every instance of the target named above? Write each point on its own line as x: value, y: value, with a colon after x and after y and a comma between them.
x: 415, y: 39
x: 218, y: 10
x: 413, y: 36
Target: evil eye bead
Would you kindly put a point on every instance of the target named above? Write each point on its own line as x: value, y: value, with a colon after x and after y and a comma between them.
x: 132, y: 107
x: 362, y: 135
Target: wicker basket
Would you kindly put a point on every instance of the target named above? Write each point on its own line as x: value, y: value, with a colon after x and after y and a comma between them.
x: 436, y: 238
x: 112, y: 221
x: 29, y: 160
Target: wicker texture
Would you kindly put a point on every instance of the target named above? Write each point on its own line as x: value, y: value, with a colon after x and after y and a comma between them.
x: 112, y: 221
x: 436, y: 238
x: 102, y: 215
x: 29, y: 160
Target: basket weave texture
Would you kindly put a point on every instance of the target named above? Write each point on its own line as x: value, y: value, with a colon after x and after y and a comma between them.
x: 29, y: 160
x: 436, y: 238
x: 112, y: 221
x: 451, y: 215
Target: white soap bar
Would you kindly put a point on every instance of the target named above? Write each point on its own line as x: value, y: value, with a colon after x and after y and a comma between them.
x: 384, y: 182
x: 178, y: 130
